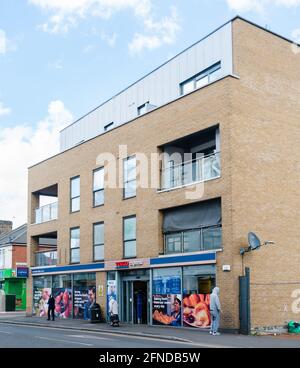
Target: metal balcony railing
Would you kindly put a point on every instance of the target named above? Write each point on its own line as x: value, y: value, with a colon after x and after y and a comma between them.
x: 48, y: 258
x: 188, y: 172
x: 46, y: 213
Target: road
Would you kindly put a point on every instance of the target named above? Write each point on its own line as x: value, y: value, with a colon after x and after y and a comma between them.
x: 18, y: 336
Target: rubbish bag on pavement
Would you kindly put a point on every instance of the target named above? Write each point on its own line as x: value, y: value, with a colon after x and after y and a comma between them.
x: 294, y: 327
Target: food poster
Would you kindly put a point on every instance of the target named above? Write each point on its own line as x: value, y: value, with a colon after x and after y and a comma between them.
x: 84, y: 298
x: 166, y: 309
x: 111, y: 293
x: 196, y: 311
x: 40, y: 301
x: 63, y: 302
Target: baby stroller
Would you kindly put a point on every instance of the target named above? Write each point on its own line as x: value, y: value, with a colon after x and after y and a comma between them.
x: 114, y: 320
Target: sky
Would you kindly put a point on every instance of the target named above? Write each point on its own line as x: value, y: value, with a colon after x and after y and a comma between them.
x: 59, y: 59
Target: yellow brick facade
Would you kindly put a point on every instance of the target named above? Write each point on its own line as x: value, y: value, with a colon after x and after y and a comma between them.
x: 257, y: 111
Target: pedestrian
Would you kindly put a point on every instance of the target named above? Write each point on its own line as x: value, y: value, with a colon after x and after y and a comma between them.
x: 215, y: 311
x: 113, y: 312
x: 51, y: 307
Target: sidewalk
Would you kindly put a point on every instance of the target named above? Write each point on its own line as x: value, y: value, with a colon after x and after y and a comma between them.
x: 157, y: 332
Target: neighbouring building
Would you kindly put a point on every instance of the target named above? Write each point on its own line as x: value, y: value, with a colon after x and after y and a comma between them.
x: 225, y: 114
x: 13, y: 265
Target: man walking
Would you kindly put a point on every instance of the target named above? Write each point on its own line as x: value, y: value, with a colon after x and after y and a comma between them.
x: 51, y: 307
x: 215, y: 311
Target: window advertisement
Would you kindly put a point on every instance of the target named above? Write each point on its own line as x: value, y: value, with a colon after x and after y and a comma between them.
x: 111, y: 289
x: 198, y: 282
x: 62, y: 293
x: 41, y: 294
x: 166, y: 298
x: 84, y: 295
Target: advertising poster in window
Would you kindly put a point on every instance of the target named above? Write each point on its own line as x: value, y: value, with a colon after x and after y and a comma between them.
x: 40, y: 301
x: 166, y: 309
x: 111, y: 293
x: 84, y: 298
x: 63, y: 302
x: 196, y: 311
x: 166, y: 301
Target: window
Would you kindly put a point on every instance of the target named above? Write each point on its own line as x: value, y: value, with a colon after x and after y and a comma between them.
x: 129, y: 170
x: 197, y: 240
x: 108, y: 126
x: 75, y: 245
x: 143, y: 109
x: 202, y: 79
x: 75, y: 194
x: 129, y: 236
x: 99, y: 241
x: 98, y: 187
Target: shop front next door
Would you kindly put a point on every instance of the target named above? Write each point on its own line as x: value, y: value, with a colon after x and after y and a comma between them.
x: 135, y: 305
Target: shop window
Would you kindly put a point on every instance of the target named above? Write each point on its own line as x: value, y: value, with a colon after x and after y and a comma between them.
x: 198, y: 282
x: 42, y: 289
x: 63, y: 295
x: 84, y: 295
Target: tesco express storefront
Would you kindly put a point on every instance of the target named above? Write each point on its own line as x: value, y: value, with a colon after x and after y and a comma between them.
x: 168, y: 290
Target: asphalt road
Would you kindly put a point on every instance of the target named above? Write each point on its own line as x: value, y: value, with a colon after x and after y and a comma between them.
x: 17, y: 336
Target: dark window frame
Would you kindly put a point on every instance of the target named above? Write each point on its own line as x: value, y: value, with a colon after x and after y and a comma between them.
x: 100, y: 244
x: 98, y: 190
x: 129, y: 240
x: 71, y: 249
x: 128, y: 181
x: 72, y: 198
x: 205, y: 73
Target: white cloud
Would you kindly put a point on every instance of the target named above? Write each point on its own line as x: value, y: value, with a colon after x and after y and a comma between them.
x: 157, y: 33
x: 66, y: 13
x: 259, y: 5
x: 57, y: 64
x: 4, y: 110
x: 20, y: 147
x: 3, y: 42
x: 109, y: 39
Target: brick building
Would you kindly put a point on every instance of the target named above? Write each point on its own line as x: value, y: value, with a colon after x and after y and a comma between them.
x: 225, y: 113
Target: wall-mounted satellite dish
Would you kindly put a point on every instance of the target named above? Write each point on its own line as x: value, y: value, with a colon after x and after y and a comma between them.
x: 253, y: 241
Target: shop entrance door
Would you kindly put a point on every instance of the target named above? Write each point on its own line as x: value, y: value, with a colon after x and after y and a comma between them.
x: 135, y: 302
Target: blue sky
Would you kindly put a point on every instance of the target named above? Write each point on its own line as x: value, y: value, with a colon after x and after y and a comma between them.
x: 61, y: 58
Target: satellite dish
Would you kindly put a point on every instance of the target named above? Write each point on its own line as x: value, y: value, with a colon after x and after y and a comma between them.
x: 253, y: 241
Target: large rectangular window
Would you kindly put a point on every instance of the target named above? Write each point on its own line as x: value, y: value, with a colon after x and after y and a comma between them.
x: 75, y: 194
x: 201, y: 79
x: 99, y: 241
x: 75, y: 245
x: 98, y: 187
x: 129, y: 236
x: 129, y: 170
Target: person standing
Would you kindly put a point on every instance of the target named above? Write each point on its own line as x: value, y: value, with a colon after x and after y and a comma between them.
x: 215, y: 311
x: 113, y: 312
x: 51, y: 307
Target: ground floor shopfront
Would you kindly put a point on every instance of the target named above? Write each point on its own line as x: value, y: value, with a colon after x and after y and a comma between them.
x: 13, y: 282
x: 170, y: 290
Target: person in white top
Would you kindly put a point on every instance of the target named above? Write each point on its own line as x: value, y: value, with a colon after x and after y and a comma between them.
x: 113, y: 311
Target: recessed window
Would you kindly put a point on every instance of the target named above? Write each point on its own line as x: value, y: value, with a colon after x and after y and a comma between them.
x: 75, y: 194
x: 98, y: 187
x: 129, y: 170
x: 75, y: 245
x: 201, y: 79
x: 99, y: 241
x: 109, y: 126
x: 143, y: 109
x: 129, y: 236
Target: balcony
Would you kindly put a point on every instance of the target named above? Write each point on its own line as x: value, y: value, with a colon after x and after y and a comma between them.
x: 46, y: 213
x: 189, y: 172
x: 48, y: 258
